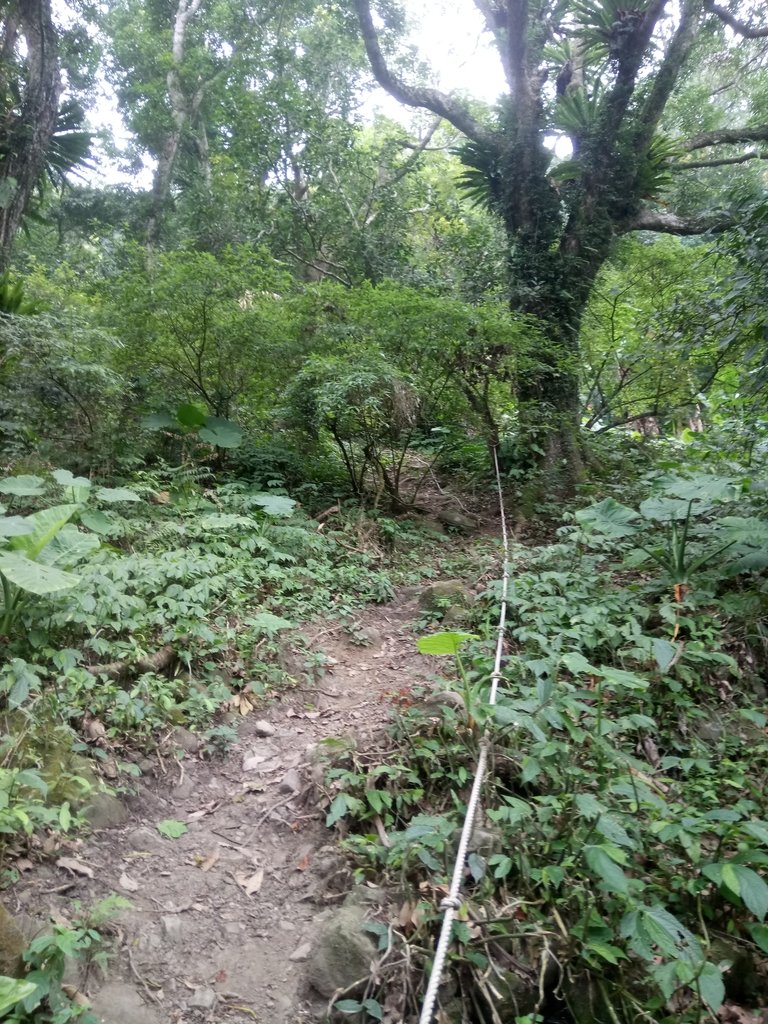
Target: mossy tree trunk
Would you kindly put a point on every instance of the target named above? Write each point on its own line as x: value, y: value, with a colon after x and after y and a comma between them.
x: 601, y: 75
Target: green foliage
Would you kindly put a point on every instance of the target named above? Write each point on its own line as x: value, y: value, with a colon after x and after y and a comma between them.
x: 45, y: 1000
x: 624, y: 811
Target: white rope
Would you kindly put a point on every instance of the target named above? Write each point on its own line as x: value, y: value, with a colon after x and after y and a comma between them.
x: 452, y: 901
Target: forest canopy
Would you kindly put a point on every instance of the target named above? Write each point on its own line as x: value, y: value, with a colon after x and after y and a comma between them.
x: 264, y: 349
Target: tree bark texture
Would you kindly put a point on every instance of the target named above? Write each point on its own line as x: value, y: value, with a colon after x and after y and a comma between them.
x: 27, y: 130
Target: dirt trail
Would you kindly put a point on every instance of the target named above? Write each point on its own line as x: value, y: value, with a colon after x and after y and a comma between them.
x: 196, y: 947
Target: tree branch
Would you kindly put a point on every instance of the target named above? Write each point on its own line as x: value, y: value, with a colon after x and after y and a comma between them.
x: 671, y: 224
x: 677, y: 54
x: 727, y: 137
x: 741, y: 27
x: 413, y: 95
x: 697, y: 164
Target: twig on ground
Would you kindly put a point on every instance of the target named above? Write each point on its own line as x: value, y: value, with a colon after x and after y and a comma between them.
x: 134, y: 971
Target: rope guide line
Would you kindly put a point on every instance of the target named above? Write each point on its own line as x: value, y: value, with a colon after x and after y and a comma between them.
x: 452, y: 901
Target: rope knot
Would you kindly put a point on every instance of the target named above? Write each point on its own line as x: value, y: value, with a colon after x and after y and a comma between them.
x: 450, y: 902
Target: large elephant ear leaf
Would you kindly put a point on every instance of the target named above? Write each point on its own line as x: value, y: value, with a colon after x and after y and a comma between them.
x: 69, y: 547
x: 23, y: 486
x: 33, y: 577
x: 45, y: 525
x: 222, y: 433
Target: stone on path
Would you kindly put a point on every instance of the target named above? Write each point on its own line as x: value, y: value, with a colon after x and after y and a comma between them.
x: 341, y: 953
x: 103, y: 810
x: 263, y: 728
x: 119, y: 1003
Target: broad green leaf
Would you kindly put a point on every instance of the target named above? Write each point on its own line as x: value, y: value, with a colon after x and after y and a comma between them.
x: 13, y: 990
x: 159, y: 421
x: 608, y: 827
x: 588, y: 806
x: 577, y: 664
x: 443, y: 643
x: 730, y: 879
x: 171, y: 828
x: 701, y: 487
x: 69, y: 547
x: 191, y: 415
x: 348, y: 1006
x: 605, y: 951
x: 753, y: 890
x: 222, y: 433
x: 664, y: 510
x: 757, y: 829
x: 33, y: 577
x: 274, y: 504
x: 15, y: 526
x: 759, y: 933
x: 616, y: 677
x: 609, y: 518
x: 672, y: 937
x: 373, y: 1008
x: 45, y: 525
x: 98, y: 521
x: 663, y: 652
x: 79, y: 485
x: 337, y: 810
x: 22, y: 486
x: 113, y: 494
x: 608, y: 872
x: 712, y: 986
x: 266, y: 622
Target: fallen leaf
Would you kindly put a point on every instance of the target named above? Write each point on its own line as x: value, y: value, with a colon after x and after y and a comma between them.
x: 171, y: 829
x: 220, y: 976
x: 210, y: 860
x: 127, y: 883
x: 251, y: 884
x: 75, y: 866
x: 304, y: 862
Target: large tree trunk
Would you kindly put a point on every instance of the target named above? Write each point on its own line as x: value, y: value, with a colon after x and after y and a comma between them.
x: 26, y: 133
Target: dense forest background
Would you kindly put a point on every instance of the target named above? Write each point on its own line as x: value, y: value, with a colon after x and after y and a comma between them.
x: 313, y: 310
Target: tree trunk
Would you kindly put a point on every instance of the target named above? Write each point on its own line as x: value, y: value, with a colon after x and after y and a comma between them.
x: 26, y: 135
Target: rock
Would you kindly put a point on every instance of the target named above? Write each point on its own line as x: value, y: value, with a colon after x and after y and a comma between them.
x: 454, y: 616
x: 118, y: 1003
x: 183, y: 739
x: 440, y: 596
x: 145, y: 839
x: 435, y: 702
x: 290, y: 783
x: 12, y: 945
x: 456, y: 520
x: 263, y: 728
x: 203, y: 998
x: 184, y: 790
x: 433, y: 525
x: 341, y: 953
x: 301, y: 952
x: 104, y: 810
x: 173, y: 930
x: 147, y: 766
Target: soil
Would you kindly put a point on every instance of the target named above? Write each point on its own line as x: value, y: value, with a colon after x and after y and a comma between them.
x: 223, y: 917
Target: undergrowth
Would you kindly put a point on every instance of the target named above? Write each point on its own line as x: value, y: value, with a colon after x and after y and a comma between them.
x: 616, y: 873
